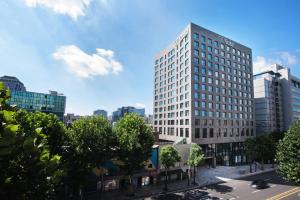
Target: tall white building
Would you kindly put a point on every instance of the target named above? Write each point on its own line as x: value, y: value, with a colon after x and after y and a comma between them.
x: 203, y: 92
x: 277, y: 99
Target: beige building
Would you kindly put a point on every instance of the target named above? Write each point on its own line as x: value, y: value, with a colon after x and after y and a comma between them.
x: 203, y: 91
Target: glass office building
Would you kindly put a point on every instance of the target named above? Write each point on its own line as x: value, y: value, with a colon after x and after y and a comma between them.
x: 32, y: 101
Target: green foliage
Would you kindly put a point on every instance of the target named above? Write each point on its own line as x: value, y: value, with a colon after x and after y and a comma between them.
x: 196, y: 156
x: 169, y: 156
x: 277, y: 136
x: 135, y: 141
x: 288, y: 154
x: 28, y: 167
x: 260, y: 148
x: 93, y: 139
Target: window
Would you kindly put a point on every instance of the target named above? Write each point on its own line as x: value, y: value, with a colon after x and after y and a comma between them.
x: 204, y: 132
x: 203, y: 38
x: 196, y: 44
x: 197, y: 132
x: 203, y: 46
x: 209, y: 48
x: 203, y: 113
x: 186, y: 132
x: 216, y: 44
x: 209, y: 56
x: 196, y: 36
x: 209, y: 41
x: 196, y: 52
x: 211, y: 132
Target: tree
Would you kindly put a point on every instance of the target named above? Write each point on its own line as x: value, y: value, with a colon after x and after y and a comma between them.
x: 93, y: 143
x: 196, y: 158
x: 135, y: 141
x: 28, y: 167
x: 251, y: 150
x: 288, y: 154
x: 265, y: 149
x: 168, y: 156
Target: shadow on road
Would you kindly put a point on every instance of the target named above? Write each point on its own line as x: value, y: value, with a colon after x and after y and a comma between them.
x: 189, y: 195
x: 270, y: 177
x: 169, y: 197
x: 220, y: 188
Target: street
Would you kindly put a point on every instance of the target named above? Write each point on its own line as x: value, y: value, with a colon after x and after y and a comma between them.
x: 241, y: 189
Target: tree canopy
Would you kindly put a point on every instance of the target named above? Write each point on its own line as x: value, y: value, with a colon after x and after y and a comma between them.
x: 196, y: 156
x: 29, y: 165
x: 169, y: 156
x: 135, y: 141
x: 288, y: 154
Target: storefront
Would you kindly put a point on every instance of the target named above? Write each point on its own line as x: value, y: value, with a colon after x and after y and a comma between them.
x: 226, y: 154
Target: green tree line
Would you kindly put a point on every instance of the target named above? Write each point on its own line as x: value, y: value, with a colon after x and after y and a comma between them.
x: 42, y: 159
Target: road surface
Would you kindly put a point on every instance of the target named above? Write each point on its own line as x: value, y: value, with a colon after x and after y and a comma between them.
x: 240, y: 189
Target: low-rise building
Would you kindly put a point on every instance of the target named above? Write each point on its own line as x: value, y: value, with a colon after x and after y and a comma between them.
x: 118, y: 114
x: 100, y: 113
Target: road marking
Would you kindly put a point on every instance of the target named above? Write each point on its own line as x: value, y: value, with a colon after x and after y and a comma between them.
x: 288, y: 194
x: 255, y: 191
x: 273, y: 186
x: 285, y: 194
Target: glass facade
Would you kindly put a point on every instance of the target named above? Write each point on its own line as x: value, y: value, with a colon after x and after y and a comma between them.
x: 32, y: 101
x: 227, y: 154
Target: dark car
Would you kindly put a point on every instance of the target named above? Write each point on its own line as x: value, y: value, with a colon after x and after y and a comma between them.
x: 259, y: 184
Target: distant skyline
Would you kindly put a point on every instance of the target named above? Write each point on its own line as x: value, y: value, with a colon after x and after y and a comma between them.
x: 100, y: 53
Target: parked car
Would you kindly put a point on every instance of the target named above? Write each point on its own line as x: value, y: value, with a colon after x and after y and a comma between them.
x: 259, y: 184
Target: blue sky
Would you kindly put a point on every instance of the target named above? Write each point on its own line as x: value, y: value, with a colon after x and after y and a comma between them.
x: 99, y: 53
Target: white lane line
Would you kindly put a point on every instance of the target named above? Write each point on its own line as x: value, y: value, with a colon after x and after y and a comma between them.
x: 255, y: 191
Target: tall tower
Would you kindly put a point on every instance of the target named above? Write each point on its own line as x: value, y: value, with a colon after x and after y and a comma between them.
x: 203, y: 92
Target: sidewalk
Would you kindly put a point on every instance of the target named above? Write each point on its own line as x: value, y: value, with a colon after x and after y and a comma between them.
x: 206, y: 176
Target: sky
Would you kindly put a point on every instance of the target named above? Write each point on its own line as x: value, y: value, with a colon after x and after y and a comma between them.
x: 100, y: 53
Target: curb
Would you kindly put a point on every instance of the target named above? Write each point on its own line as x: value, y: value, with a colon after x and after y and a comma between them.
x: 202, y: 185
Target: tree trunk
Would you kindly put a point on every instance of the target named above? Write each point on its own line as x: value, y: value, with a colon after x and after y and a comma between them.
x: 188, y: 177
x: 194, y: 175
x: 250, y: 167
x: 166, y: 184
x: 262, y: 164
x: 130, y: 191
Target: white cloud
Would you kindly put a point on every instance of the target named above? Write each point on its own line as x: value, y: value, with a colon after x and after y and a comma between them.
x: 288, y: 58
x: 73, y: 8
x: 261, y: 64
x: 84, y: 65
x: 285, y: 58
x: 140, y: 105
